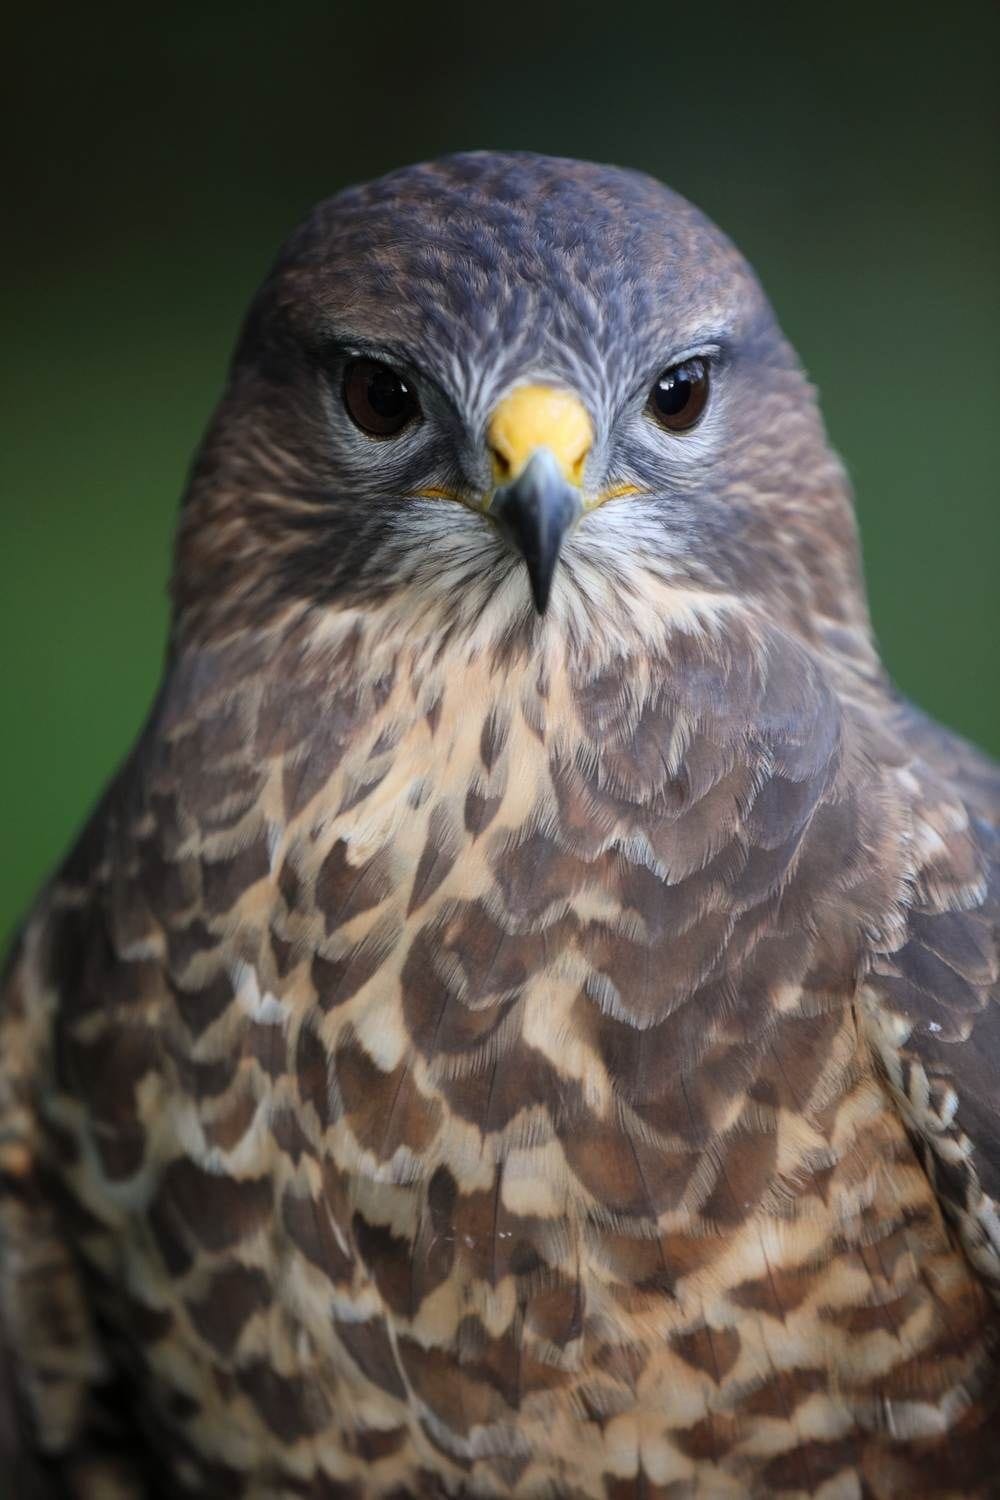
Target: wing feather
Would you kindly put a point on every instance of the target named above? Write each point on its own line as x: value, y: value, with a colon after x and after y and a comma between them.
x: 933, y: 1004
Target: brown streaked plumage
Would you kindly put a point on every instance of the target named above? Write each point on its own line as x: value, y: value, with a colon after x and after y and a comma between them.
x: 474, y: 1052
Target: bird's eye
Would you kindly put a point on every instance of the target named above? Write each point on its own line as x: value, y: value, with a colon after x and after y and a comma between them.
x: 378, y: 399
x: 680, y: 395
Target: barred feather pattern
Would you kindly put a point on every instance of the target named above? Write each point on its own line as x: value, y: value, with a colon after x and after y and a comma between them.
x: 507, y: 1072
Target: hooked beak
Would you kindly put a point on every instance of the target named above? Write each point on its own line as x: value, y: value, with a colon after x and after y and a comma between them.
x: 534, y: 513
x: 539, y: 438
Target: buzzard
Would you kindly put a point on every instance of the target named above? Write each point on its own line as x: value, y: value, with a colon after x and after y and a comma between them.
x: 523, y: 1021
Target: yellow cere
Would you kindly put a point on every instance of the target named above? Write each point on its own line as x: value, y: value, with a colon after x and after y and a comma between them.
x: 539, y: 416
x: 529, y: 418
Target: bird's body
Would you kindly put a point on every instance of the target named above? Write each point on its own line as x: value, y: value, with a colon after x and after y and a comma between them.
x: 474, y: 1053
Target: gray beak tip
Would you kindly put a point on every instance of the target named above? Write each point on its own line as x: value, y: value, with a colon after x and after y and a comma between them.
x: 534, y: 513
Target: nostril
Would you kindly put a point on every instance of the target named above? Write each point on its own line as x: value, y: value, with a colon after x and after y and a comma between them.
x: 501, y: 464
x: 577, y: 466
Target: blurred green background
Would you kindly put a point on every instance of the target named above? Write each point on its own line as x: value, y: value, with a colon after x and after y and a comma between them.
x: 159, y: 156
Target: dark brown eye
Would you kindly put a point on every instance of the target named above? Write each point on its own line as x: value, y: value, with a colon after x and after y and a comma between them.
x: 377, y: 398
x: 680, y: 395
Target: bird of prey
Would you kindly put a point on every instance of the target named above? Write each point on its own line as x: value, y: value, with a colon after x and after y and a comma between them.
x: 523, y: 1021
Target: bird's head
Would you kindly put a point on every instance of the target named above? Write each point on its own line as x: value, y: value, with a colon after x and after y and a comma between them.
x: 514, y: 394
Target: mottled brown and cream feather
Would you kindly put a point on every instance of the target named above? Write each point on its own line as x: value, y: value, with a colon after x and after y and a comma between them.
x: 474, y: 1055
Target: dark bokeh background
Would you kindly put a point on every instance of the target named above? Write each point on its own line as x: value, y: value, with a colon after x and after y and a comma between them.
x: 158, y: 157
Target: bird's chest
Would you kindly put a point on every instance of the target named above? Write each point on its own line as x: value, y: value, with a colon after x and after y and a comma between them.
x: 475, y: 1127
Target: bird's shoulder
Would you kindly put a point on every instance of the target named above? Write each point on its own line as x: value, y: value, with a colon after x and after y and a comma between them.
x: 60, y: 1405
x: 971, y: 774
x: 932, y: 1001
